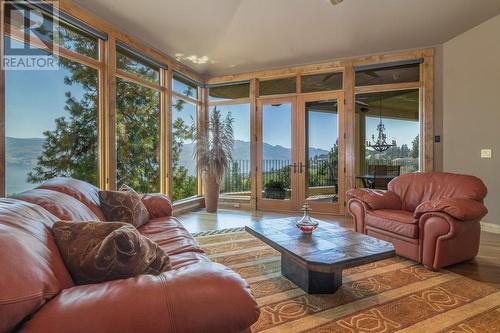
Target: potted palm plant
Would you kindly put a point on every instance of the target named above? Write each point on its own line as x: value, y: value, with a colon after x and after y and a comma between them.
x: 213, y: 152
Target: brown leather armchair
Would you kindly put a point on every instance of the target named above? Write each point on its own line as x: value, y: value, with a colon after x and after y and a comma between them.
x: 37, y: 293
x: 432, y: 218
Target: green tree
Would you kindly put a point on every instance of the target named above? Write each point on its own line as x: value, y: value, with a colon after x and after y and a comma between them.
x: 70, y: 150
x: 415, y: 147
x: 404, y: 151
x: 184, y: 185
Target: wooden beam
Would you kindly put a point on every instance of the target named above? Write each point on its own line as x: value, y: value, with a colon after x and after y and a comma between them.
x: 254, y: 92
x: 110, y: 113
x: 350, y: 133
x: 135, y: 79
x: 331, y: 66
x: 427, y: 122
x: 388, y: 87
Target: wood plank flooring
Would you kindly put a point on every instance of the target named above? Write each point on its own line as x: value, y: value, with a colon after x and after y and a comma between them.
x: 485, y: 267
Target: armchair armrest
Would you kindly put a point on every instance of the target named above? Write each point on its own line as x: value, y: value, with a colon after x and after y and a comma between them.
x: 203, y: 297
x: 376, y: 199
x: 158, y: 205
x: 458, y: 208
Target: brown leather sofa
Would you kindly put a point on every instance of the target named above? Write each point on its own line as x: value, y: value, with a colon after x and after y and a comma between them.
x: 37, y: 293
x: 432, y: 218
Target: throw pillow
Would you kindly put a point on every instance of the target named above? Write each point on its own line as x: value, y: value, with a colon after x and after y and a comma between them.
x: 94, y: 252
x: 124, y: 206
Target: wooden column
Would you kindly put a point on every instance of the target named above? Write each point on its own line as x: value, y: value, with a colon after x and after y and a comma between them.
x: 254, y: 93
x: 350, y: 139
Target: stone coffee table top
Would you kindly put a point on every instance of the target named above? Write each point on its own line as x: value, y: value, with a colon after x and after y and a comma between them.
x: 315, y: 261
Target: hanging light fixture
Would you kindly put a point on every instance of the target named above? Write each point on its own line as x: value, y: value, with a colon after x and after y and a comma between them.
x: 380, y: 144
x: 336, y: 2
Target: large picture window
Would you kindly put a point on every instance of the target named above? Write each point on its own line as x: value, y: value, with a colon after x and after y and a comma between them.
x: 51, y: 114
x: 237, y: 180
x: 137, y: 124
x: 184, y: 167
x: 395, y: 115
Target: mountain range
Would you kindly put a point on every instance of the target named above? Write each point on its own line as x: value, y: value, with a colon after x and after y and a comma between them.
x: 241, y: 151
x: 22, y: 154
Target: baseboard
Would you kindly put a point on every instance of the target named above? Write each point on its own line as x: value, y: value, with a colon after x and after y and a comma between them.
x: 490, y: 227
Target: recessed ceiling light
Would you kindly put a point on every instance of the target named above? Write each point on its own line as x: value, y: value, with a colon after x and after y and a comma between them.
x: 336, y: 2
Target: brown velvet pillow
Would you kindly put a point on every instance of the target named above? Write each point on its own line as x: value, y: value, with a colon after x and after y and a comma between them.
x: 124, y: 206
x: 95, y: 251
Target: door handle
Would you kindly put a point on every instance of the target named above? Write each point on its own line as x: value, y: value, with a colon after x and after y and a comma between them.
x: 294, y: 167
x: 300, y: 167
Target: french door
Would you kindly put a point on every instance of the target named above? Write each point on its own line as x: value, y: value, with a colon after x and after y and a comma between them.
x: 300, y: 153
x: 277, y: 158
x: 321, y: 152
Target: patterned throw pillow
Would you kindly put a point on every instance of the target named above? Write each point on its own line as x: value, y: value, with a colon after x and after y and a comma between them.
x: 124, y: 205
x: 95, y: 251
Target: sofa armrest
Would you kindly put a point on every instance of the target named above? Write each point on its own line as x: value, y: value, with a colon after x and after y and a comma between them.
x: 458, y: 208
x: 376, y: 199
x: 203, y: 297
x: 158, y: 205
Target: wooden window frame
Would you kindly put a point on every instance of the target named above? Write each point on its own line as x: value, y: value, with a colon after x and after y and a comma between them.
x: 201, y: 119
x: 98, y: 64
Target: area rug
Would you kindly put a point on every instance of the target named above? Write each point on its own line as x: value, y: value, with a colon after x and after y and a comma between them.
x: 392, y: 295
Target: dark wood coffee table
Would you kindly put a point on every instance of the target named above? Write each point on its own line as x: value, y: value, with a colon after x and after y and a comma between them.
x: 315, y: 262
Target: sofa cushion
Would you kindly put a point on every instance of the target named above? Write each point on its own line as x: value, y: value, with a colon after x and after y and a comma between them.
x: 96, y: 252
x: 158, y: 205
x: 61, y: 205
x: 82, y: 191
x: 124, y: 206
x: 416, y: 188
x: 171, y: 235
x: 32, y: 270
x: 396, y: 221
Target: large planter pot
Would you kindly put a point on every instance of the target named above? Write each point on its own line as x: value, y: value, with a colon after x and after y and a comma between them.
x: 211, y: 190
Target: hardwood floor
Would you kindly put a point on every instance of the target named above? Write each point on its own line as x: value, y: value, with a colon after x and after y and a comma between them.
x: 485, y: 267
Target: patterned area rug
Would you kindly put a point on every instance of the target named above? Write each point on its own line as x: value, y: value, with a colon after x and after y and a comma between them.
x: 392, y: 295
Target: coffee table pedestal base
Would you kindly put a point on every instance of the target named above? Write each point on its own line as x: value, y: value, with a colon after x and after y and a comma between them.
x: 309, y: 280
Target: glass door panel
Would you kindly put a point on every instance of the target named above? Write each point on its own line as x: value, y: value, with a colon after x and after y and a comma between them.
x: 276, y: 156
x: 321, y: 171
x: 322, y: 137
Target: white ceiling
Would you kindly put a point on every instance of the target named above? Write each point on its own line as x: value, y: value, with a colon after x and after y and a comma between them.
x: 217, y: 37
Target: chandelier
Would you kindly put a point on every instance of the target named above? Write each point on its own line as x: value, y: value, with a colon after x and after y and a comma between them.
x: 380, y: 144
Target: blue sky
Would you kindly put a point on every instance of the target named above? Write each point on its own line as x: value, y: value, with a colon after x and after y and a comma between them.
x: 241, y: 115
x: 34, y: 99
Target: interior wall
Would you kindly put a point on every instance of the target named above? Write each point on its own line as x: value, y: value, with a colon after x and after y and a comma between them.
x: 471, y: 107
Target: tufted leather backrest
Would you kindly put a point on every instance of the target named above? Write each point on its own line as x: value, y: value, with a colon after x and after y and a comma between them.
x: 415, y: 188
x: 82, y: 191
x: 32, y: 270
x: 63, y: 206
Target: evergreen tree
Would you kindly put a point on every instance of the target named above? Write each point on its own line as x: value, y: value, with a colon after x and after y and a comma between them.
x: 415, y: 147
x: 71, y: 148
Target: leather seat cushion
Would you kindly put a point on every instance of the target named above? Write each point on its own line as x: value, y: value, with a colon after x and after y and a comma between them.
x: 170, y: 235
x: 400, y: 222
